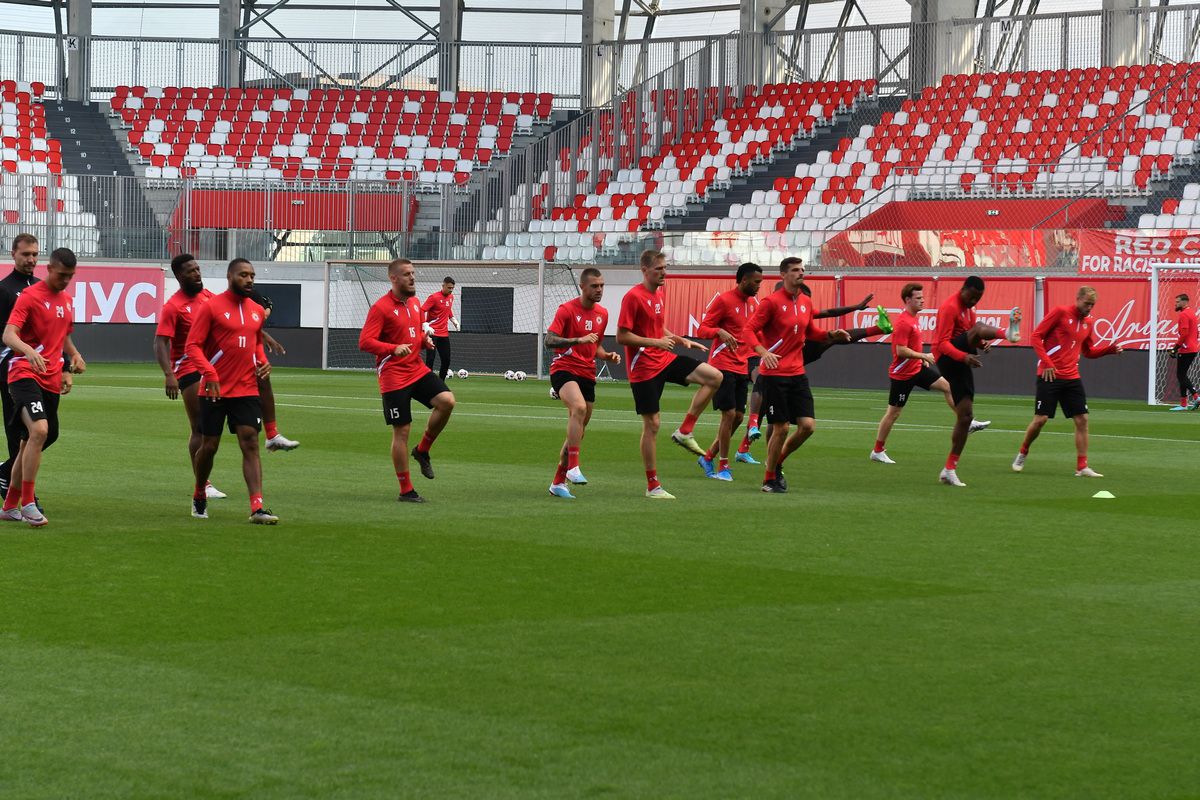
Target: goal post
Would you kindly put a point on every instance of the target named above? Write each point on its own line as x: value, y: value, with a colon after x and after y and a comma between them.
x: 503, y: 310
x: 1168, y: 280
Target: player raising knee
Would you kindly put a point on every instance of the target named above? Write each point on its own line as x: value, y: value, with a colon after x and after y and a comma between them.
x: 1063, y: 335
x: 956, y: 344
x: 724, y: 322
x: 911, y: 367
x: 394, y: 334
x: 575, y: 335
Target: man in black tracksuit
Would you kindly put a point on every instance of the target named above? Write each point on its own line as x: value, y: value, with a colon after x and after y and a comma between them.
x: 25, y: 255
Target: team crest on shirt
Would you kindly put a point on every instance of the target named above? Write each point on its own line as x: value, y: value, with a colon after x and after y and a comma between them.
x: 254, y: 316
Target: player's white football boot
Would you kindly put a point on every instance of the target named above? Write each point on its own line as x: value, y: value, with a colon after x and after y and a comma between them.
x: 200, y: 508
x: 1087, y: 472
x: 950, y: 478
x: 687, y: 441
x: 281, y: 442
x: 561, y: 490
x: 213, y: 493
x: 10, y: 515
x: 978, y: 425
x: 263, y: 516
x: 1013, y: 331
x: 882, y: 457
x: 659, y: 493
x: 1019, y: 462
x: 575, y: 476
x: 31, y: 514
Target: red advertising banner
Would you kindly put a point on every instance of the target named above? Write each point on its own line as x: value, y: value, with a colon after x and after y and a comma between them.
x: 117, y: 294
x: 1000, y: 297
x: 1131, y: 252
x: 1122, y: 312
x: 950, y: 249
x: 689, y: 295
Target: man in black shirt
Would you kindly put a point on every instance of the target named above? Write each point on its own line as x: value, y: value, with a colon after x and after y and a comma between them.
x: 25, y: 252
x: 275, y: 440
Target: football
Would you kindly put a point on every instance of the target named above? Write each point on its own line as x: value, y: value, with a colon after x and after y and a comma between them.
x: 462, y: 373
x: 509, y: 375
x: 519, y: 375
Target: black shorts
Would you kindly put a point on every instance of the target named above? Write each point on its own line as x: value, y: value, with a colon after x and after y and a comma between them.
x: 586, y: 387
x: 234, y: 412
x: 732, y: 394
x: 898, y: 396
x: 397, y: 406
x: 647, y: 394
x: 787, y: 399
x: 191, y: 379
x: 1067, y: 393
x: 960, y: 377
x: 752, y: 365
x: 814, y: 350
x: 28, y: 396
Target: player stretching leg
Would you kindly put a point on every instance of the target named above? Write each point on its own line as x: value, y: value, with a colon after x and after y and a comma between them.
x: 784, y: 320
x: 1184, y: 351
x: 38, y: 332
x: 394, y: 333
x: 439, y: 314
x: 1059, y: 340
x: 910, y: 367
x: 225, y: 344
x: 956, y: 343
x: 725, y: 323
x: 574, y: 335
x: 182, y: 377
x: 266, y: 394
x: 649, y: 353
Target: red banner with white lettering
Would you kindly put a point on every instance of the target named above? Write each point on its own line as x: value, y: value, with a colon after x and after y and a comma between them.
x: 689, y: 295
x: 948, y: 249
x: 1131, y: 252
x: 1122, y: 311
x: 117, y: 294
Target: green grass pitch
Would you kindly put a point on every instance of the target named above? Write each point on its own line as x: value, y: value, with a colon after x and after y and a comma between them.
x: 871, y: 634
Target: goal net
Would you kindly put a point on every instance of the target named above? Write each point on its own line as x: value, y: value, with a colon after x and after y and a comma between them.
x: 1167, y: 283
x: 503, y: 309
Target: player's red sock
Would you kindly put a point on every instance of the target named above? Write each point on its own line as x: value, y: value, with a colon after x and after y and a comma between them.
x: 256, y: 502
x: 426, y: 443
x: 27, y: 495
x: 753, y: 421
x: 952, y: 461
x: 744, y: 447
x: 199, y: 492
x: 1081, y: 462
x: 1183, y: 401
x: 13, y: 498
x: 768, y: 476
x: 879, y: 445
x: 688, y: 425
x: 724, y: 465
x: 272, y: 430
x: 572, y: 457
x: 652, y: 480
x: 560, y: 475
x: 405, y: 482
x: 711, y: 453
x: 1024, y: 449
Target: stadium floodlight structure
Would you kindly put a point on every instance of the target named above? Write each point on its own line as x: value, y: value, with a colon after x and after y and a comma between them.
x: 503, y: 309
x: 1167, y: 281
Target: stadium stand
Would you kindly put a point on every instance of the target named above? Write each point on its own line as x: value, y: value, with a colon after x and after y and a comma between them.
x: 322, y: 134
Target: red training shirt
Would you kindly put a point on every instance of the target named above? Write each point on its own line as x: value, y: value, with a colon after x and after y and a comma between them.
x: 643, y: 314
x: 225, y: 343
x: 1189, y: 339
x: 730, y: 310
x: 44, y: 319
x: 439, y: 308
x: 571, y: 321
x: 175, y: 321
x: 906, y: 332
x: 783, y: 323
x: 391, y: 322
x: 1061, y: 337
x: 952, y: 319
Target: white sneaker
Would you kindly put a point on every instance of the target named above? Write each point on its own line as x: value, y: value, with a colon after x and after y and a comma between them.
x: 213, y: 493
x: 950, y: 478
x: 1013, y: 331
x: 280, y: 442
x: 11, y: 515
x: 575, y: 475
x: 978, y: 425
x: 1088, y: 472
x: 882, y: 457
x: 659, y: 493
x: 30, y: 514
x: 1019, y: 462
